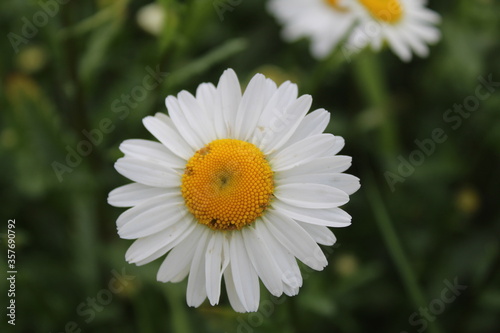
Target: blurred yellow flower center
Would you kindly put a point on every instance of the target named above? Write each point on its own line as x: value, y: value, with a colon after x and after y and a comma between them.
x: 336, y: 6
x: 227, y: 184
x: 389, y: 11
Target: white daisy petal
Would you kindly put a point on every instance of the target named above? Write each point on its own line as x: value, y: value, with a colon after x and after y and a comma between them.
x: 397, y: 45
x: 290, y: 272
x: 133, y: 194
x: 263, y: 261
x: 290, y: 291
x: 196, y: 117
x: 151, y: 151
x: 166, y: 119
x: 312, y: 124
x: 166, y: 134
x: 311, y: 195
x: 245, y: 278
x: 320, y: 234
x: 295, y: 239
x: 176, y: 265
x: 428, y: 34
x: 331, y: 217
x: 134, y: 213
x: 302, y: 152
x: 250, y: 107
x: 337, y: 145
x: 162, y: 241
x: 208, y: 98
x: 230, y: 92
x: 177, y: 234
x: 206, y: 94
x: 214, y: 266
x: 147, y: 172
x: 151, y: 216
x: 322, y: 165
x: 269, y: 91
x: 196, y: 288
x: 288, y: 121
x: 179, y: 117
x: 418, y: 46
x: 234, y: 299
x: 343, y: 182
x: 357, y: 41
x: 266, y: 131
x: 426, y: 15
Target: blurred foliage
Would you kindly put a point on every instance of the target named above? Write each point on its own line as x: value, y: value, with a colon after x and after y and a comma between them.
x: 68, y: 83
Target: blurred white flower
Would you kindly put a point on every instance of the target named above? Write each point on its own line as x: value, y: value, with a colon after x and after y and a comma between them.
x: 408, y: 26
x: 325, y: 22
x: 151, y: 18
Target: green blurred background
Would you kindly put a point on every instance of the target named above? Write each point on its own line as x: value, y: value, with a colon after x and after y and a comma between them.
x: 437, y: 225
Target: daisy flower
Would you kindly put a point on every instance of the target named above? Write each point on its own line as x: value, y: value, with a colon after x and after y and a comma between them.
x: 406, y: 25
x: 325, y: 22
x: 238, y: 187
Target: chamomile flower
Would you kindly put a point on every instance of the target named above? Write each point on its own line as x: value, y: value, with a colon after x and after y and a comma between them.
x: 408, y: 26
x: 239, y: 186
x: 325, y: 22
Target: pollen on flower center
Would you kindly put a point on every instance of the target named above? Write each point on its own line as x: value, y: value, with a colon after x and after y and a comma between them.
x: 227, y: 184
x: 335, y: 5
x: 389, y: 11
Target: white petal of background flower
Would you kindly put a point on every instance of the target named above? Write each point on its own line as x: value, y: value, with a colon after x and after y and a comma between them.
x: 324, y: 24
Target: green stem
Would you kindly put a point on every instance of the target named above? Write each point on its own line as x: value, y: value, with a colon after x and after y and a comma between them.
x: 371, y: 82
x: 179, y: 317
x: 84, y: 239
x: 395, y: 248
x: 144, y: 318
x: 324, y: 70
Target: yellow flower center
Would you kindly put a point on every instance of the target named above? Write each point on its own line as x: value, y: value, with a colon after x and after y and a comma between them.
x: 389, y: 11
x: 227, y: 184
x: 335, y: 5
